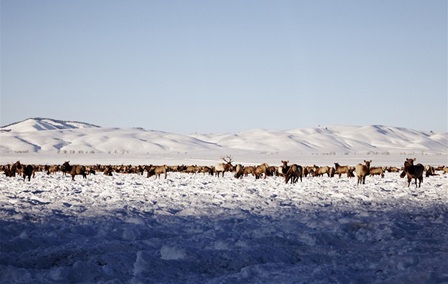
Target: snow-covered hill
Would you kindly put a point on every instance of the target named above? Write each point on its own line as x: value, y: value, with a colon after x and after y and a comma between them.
x: 45, y: 135
x: 39, y: 123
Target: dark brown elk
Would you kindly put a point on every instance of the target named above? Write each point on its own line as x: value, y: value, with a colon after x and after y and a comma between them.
x: 224, y: 167
x: 74, y: 170
x: 362, y: 171
x: 413, y: 172
x: 28, y: 171
x: 12, y: 170
x: 207, y: 170
x: 294, y: 173
x: 108, y: 170
x: 339, y: 170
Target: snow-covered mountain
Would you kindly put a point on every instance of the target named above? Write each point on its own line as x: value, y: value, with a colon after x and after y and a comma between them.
x: 39, y: 123
x: 49, y: 135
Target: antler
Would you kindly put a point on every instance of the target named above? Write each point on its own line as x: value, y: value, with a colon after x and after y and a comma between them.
x: 227, y: 159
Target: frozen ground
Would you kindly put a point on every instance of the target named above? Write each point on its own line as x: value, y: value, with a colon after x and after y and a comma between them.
x: 203, y: 229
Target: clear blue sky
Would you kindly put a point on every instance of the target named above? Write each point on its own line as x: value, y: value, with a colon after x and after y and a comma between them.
x: 225, y: 66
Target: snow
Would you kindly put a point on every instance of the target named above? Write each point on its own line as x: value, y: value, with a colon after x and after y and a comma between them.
x: 36, y: 135
x: 200, y: 228
x: 196, y: 228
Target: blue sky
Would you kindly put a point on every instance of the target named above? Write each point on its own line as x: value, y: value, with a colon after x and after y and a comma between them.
x: 225, y: 66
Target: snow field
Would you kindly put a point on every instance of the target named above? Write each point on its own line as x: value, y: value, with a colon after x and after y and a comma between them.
x: 200, y: 228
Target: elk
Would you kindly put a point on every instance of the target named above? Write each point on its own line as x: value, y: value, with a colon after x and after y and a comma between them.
x: 249, y: 170
x: 224, y: 167
x: 28, y: 171
x: 392, y: 169
x: 239, y: 171
x: 283, y: 169
x: 156, y: 171
x: 294, y: 173
x: 12, y: 170
x: 307, y: 170
x: 320, y: 171
x: 362, y: 171
x: 377, y: 171
x: 74, y: 170
x: 260, y: 170
x: 430, y: 171
x: 341, y: 170
x: 413, y: 172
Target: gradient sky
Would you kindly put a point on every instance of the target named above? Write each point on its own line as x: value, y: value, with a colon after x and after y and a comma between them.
x: 225, y: 66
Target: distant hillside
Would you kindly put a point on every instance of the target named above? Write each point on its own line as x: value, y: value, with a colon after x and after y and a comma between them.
x: 79, y: 137
x: 39, y: 123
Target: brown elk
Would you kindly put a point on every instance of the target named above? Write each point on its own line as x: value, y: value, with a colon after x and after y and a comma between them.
x: 239, y: 171
x: 261, y: 170
x: 283, y: 169
x: 108, y: 170
x: 392, y: 169
x: 320, y: 171
x: 294, y: 173
x: 430, y: 171
x: 224, y: 167
x: 74, y: 170
x: 12, y: 170
x: 249, y: 170
x: 156, y: 171
x: 377, y: 171
x: 413, y: 172
x: 362, y: 171
x: 207, y: 170
x: 339, y: 170
x: 307, y: 170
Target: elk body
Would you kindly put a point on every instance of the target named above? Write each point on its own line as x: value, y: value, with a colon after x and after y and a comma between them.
x: 377, y: 171
x: 320, y: 171
x: 362, y: 171
x: 261, y: 170
x: 156, y: 171
x: 339, y: 170
x: 294, y: 173
x: 239, y: 171
x: 283, y: 169
x: 413, y: 172
x: 74, y: 170
x: 28, y: 171
x: 224, y: 167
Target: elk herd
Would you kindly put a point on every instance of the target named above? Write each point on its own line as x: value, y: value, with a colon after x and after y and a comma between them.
x: 291, y: 173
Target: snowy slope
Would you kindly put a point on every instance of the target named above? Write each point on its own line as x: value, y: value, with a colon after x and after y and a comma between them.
x: 39, y: 123
x: 45, y: 135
